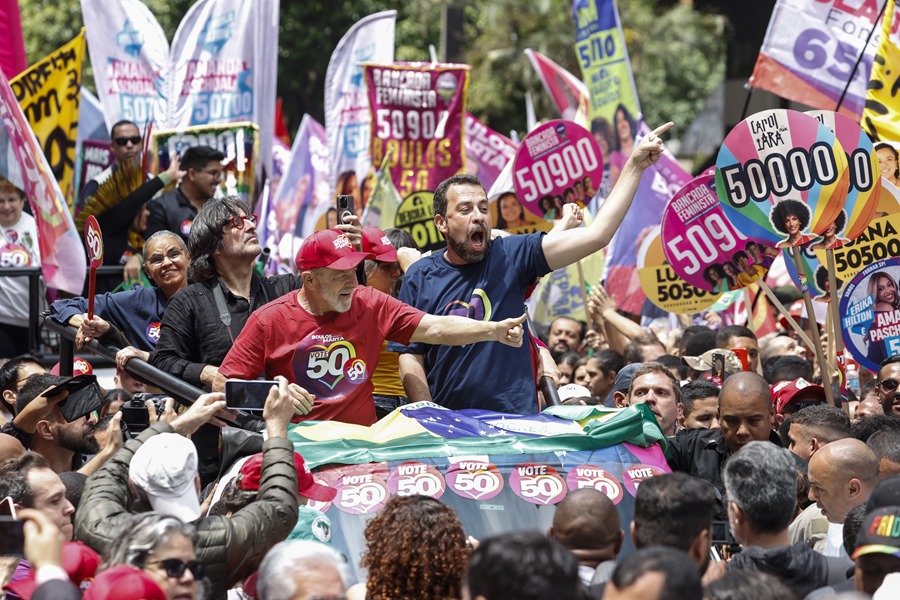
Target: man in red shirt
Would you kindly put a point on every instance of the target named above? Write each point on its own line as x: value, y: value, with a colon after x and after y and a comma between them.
x: 326, y: 337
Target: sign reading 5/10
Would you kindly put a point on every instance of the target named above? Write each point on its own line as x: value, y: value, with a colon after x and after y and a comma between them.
x: 557, y: 163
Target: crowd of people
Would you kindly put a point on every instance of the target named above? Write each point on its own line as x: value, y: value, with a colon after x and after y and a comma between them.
x: 774, y: 493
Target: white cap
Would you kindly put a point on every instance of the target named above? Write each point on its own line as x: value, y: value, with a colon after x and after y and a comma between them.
x: 165, y: 467
x: 573, y: 390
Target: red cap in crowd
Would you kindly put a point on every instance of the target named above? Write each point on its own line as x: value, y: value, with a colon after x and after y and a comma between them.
x: 331, y: 249
x: 79, y: 367
x: 377, y: 242
x: 124, y: 582
x: 251, y: 471
x: 799, y: 392
x: 78, y: 560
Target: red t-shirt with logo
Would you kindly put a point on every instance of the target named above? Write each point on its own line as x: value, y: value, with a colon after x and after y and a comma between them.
x: 332, y: 356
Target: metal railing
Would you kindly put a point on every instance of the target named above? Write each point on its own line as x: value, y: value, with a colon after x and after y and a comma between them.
x: 181, y: 391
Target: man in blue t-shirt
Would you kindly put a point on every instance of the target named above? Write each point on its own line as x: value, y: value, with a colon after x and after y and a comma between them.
x: 487, y: 280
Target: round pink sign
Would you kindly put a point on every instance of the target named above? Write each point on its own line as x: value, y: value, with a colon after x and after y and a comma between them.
x: 702, y: 245
x: 412, y: 478
x: 474, y: 479
x: 591, y: 476
x: 538, y: 484
x: 638, y: 473
x: 361, y: 491
x: 558, y: 163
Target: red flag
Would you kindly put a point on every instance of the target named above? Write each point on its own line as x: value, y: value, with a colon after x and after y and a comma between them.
x: 569, y: 93
x: 281, y: 128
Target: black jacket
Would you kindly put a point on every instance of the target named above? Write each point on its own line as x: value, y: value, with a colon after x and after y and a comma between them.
x: 799, y: 567
x: 702, y: 453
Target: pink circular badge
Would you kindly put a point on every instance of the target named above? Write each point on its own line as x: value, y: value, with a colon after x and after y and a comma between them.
x: 590, y: 476
x: 635, y: 475
x: 552, y: 164
x: 537, y: 483
x: 412, y: 478
x: 360, y: 491
x: 473, y: 479
x: 702, y: 245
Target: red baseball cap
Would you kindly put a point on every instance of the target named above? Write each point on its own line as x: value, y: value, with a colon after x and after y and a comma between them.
x: 78, y: 560
x: 79, y: 367
x: 786, y: 392
x: 377, y: 242
x: 306, y: 485
x: 124, y: 582
x: 330, y: 249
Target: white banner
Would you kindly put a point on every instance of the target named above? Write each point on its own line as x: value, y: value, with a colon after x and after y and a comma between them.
x: 129, y: 53
x: 347, y: 119
x: 221, y: 67
x: 811, y: 48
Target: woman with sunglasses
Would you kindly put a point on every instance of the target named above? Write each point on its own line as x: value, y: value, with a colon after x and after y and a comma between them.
x: 164, y: 548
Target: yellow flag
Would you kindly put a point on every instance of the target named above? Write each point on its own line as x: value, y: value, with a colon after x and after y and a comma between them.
x: 49, y: 93
x: 881, y: 115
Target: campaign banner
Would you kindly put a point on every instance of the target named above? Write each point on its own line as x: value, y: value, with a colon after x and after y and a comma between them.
x: 49, y: 93
x: 569, y: 94
x: 347, y: 119
x: 96, y: 157
x: 663, y: 286
x: 561, y: 293
x: 864, y: 186
x: 494, y: 470
x: 222, y: 68
x: 417, y: 112
x: 22, y: 161
x: 810, y: 50
x: 614, y: 113
x: 130, y: 56
x: 880, y: 114
x: 870, y: 313
x: 703, y: 247
x: 781, y: 177
x: 219, y: 70
x: 487, y: 151
x: 416, y: 216
x: 237, y: 141
x: 302, y: 197
x: 558, y: 163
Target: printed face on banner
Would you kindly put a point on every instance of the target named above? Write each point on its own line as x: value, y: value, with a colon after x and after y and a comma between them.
x: 662, y: 284
x: 552, y: 167
x: 510, y: 215
x: 781, y: 177
x: 870, y: 313
x: 703, y: 247
x: 864, y: 187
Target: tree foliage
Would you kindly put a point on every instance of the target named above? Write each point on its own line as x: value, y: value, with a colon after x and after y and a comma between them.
x: 678, y: 53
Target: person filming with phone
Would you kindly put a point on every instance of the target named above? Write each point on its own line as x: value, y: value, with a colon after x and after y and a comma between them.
x: 327, y: 337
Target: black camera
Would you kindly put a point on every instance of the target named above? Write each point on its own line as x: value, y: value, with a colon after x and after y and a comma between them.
x: 135, y: 415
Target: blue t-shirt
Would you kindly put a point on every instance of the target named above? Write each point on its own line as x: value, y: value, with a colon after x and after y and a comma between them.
x: 487, y: 375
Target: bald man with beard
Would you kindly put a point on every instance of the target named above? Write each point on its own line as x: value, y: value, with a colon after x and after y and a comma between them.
x: 587, y: 524
x: 746, y: 414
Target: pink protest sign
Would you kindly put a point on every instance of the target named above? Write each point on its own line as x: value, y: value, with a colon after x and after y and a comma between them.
x: 781, y: 177
x: 557, y: 163
x: 864, y: 190
x: 418, y: 111
x: 703, y: 247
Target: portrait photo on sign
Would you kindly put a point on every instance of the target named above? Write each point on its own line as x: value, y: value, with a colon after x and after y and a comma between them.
x: 870, y: 309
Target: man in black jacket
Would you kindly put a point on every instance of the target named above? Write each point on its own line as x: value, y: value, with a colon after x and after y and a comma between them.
x: 746, y: 414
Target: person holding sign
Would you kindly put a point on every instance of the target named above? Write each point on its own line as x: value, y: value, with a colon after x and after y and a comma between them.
x: 487, y: 280
x: 791, y: 217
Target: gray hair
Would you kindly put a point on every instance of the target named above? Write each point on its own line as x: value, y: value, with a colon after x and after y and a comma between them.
x: 161, y: 234
x: 762, y: 480
x: 141, y: 534
x: 274, y: 581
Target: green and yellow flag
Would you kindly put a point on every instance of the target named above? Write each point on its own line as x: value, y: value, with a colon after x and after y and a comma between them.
x: 881, y: 115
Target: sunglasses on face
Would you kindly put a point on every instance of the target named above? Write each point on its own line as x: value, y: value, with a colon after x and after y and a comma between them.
x: 238, y: 222
x: 123, y: 141
x: 889, y: 385
x: 175, y: 568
